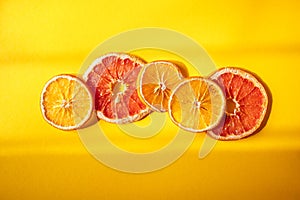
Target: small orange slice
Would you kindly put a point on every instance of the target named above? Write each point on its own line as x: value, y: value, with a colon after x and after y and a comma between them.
x: 197, y: 104
x: 156, y: 82
x: 66, y: 102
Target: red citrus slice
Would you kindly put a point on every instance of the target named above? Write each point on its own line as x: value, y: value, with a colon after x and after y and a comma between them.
x: 113, y: 78
x: 246, y: 103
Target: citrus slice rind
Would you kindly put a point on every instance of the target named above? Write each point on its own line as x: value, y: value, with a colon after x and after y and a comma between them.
x: 66, y: 102
x: 197, y: 104
x: 157, y: 80
x: 246, y: 103
x: 113, y: 80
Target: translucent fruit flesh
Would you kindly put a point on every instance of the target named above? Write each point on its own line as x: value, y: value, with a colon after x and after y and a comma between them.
x: 157, y: 81
x: 197, y: 104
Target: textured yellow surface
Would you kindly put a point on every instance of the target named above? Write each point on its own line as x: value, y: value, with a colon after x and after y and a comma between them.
x: 40, y: 39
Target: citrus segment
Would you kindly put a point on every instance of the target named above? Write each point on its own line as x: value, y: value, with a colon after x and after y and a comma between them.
x: 246, y: 100
x: 66, y: 103
x: 113, y: 78
x: 156, y: 82
x: 197, y: 104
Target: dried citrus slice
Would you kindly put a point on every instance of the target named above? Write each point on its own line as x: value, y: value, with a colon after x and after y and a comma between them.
x: 197, y: 104
x: 246, y: 100
x: 66, y: 102
x: 113, y: 78
x: 156, y: 83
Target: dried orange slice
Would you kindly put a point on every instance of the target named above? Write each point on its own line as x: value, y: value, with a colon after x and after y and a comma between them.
x: 113, y: 78
x: 197, y: 104
x: 66, y: 102
x: 247, y: 103
x: 156, y: 83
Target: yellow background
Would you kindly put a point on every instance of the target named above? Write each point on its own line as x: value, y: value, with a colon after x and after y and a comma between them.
x: 40, y: 39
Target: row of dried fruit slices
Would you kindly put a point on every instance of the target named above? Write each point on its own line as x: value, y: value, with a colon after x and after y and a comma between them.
x: 122, y: 88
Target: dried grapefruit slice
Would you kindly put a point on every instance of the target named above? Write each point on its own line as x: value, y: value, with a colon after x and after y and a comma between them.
x: 156, y: 83
x: 246, y: 100
x: 66, y: 102
x: 113, y: 78
x: 197, y: 104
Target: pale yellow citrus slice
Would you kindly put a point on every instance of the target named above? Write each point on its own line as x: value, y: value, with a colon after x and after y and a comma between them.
x: 157, y: 80
x: 66, y: 102
x: 197, y: 104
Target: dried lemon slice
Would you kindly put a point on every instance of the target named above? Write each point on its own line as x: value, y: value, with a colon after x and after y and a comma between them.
x: 156, y: 83
x: 197, y: 104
